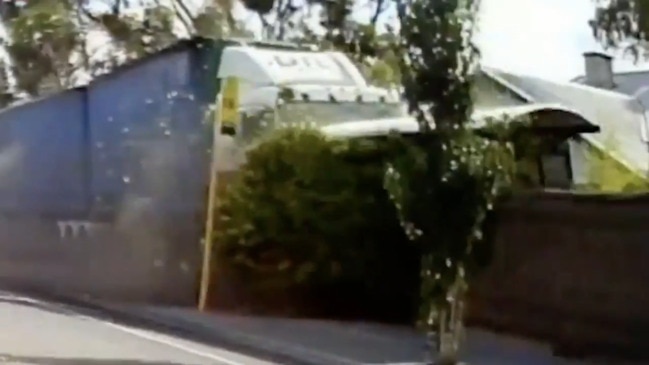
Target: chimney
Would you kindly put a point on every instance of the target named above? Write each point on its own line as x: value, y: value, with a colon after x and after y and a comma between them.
x: 599, y: 70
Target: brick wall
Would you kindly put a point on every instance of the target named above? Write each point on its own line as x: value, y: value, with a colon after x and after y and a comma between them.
x: 570, y: 269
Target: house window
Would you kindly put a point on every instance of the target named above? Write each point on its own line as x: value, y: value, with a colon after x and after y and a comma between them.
x: 556, y: 172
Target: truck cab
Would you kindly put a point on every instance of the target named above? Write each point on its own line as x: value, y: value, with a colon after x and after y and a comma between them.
x: 292, y: 86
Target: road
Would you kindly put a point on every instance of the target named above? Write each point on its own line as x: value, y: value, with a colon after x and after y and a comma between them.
x: 36, y: 332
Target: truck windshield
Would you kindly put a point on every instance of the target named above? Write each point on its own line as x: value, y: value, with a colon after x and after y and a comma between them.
x: 324, y: 114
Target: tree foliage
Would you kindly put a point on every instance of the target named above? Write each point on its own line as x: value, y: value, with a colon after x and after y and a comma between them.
x: 42, y: 64
x: 308, y: 214
x: 336, y: 29
x: 445, y: 190
x: 622, y: 24
x: 55, y: 44
x: 43, y: 40
x: 294, y: 168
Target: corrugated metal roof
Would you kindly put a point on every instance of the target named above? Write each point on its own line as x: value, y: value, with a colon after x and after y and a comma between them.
x: 513, y: 112
x: 629, y: 83
x: 409, y: 125
x: 618, y: 115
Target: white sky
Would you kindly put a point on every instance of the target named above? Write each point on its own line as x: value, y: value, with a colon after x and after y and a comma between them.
x: 536, y: 37
x: 544, y: 38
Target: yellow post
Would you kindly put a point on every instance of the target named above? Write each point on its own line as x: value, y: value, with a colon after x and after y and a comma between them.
x: 227, y: 113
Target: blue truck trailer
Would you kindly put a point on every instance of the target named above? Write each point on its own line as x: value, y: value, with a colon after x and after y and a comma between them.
x: 144, y: 132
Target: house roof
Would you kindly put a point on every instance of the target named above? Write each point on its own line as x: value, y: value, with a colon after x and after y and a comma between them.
x: 540, y: 116
x: 619, y: 116
x: 629, y: 83
x: 372, y: 128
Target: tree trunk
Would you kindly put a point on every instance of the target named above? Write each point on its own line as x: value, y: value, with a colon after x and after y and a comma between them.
x: 449, y: 328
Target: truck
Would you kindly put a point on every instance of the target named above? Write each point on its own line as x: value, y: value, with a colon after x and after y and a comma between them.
x: 283, y: 84
x: 141, y: 135
x: 103, y: 188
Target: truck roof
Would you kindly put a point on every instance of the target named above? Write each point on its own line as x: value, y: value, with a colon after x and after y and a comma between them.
x: 286, y: 66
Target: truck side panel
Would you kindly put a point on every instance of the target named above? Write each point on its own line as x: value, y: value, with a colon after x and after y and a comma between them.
x: 42, y: 157
x: 147, y: 136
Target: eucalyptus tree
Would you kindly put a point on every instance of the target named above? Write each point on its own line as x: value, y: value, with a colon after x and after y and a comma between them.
x: 622, y: 24
x: 446, y: 185
x: 56, y: 44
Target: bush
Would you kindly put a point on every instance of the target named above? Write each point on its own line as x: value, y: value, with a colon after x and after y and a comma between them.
x: 308, y: 220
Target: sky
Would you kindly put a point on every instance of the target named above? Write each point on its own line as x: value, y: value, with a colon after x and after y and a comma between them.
x: 543, y: 38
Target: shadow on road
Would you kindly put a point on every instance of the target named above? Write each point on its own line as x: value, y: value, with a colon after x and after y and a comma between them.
x: 35, y: 360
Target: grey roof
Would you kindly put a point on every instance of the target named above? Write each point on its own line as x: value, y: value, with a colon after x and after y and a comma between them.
x: 617, y: 115
x: 629, y: 83
x: 571, y: 120
x: 409, y: 125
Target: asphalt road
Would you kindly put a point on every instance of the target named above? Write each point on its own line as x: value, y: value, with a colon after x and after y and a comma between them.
x: 35, y: 332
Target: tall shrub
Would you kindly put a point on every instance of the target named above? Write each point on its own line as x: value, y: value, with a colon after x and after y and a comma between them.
x: 308, y: 216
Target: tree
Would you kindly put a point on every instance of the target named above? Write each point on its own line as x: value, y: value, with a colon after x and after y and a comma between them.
x: 287, y: 20
x: 50, y: 41
x: 279, y: 17
x: 622, y: 24
x: 445, y: 187
x: 43, y: 39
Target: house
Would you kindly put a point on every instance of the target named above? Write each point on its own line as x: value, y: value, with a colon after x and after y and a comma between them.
x: 551, y: 166
x: 621, y: 117
x: 599, y: 73
x: 550, y: 124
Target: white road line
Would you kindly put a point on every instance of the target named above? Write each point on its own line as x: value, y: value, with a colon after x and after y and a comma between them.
x: 168, y: 340
x: 397, y: 363
x: 147, y: 335
x: 154, y: 338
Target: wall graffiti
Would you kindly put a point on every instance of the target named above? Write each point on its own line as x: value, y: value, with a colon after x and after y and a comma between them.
x: 77, y: 229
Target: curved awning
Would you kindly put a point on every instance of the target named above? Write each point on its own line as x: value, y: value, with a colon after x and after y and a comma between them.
x: 541, y: 116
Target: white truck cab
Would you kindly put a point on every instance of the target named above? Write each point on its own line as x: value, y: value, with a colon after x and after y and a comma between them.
x: 285, y: 86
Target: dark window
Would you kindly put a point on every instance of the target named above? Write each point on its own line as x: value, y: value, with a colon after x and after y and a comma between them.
x: 555, y: 167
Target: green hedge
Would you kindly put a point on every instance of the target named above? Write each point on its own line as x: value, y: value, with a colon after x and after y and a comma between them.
x: 307, y: 226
